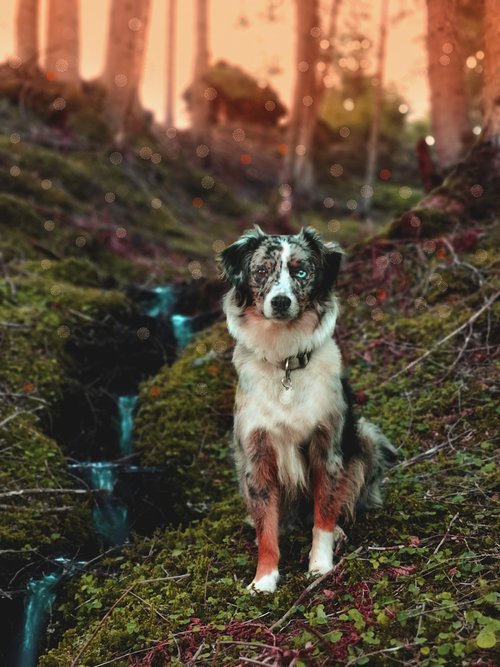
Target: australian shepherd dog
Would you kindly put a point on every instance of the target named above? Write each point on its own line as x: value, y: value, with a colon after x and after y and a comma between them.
x: 295, y: 434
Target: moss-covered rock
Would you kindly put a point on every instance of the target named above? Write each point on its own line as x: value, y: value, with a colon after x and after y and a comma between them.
x: 184, y: 422
x: 37, y: 518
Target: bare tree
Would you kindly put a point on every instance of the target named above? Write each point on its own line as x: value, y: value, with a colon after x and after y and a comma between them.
x: 298, y: 166
x: 63, y: 40
x: 171, y: 18
x: 449, y: 110
x: 491, y: 89
x: 27, y: 16
x: 200, y: 109
x: 128, y: 26
x: 372, y: 152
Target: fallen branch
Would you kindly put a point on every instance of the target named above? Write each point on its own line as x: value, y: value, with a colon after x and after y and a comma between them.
x: 471, y: 319
x: 32, y: 492
x: 445, y: 535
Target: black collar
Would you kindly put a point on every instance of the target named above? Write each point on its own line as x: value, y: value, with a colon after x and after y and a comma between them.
x: 293, y: 363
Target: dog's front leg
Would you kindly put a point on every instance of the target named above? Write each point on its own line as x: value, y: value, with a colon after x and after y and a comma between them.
x: 262, y: 496
x: 332, y: 487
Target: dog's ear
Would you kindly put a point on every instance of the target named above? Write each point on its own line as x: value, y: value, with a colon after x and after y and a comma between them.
x: 234, y: 259
x: 328, y: 256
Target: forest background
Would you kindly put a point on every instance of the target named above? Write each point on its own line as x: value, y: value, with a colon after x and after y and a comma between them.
x: 122, y: 536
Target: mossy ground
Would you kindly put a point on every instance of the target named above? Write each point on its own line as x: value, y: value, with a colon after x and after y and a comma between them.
x: 79, y: 221
x: 417, y: 583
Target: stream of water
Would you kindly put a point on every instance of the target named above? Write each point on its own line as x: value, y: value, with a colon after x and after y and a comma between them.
x: 110, y: 513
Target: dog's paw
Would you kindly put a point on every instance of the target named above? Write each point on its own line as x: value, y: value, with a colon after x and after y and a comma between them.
x: 266, y: 583
x: 325, y: 544
x: 319, y: 567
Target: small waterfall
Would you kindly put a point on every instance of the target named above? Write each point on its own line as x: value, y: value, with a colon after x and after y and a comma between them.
x: 163, y: 301
x: 109, y: 514
x: 183, y: 331
x: 126, y: 408
x: 40, y: 596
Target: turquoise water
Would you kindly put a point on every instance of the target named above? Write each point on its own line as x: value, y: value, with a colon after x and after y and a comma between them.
x: 39, y: 599
x: 163, y: 302
x: 126, y: 409
x: 181, y: 325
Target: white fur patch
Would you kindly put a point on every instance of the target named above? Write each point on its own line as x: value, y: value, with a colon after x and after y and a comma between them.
x: 323, y: 544
x: 282, y: 287
x: 266, y: 584
x: 275, y: 341
x: 316, y: 397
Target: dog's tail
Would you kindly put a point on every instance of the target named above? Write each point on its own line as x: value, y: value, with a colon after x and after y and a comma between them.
x: 382, y: 455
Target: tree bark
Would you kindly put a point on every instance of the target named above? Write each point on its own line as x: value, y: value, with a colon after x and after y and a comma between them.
x: 491, y: 91
x: 63, y: 40
x: 298, y: 165
x: 171, y: 18
x: 449, y: 111
x: 471, y: 191
x: 378, y: 96
x: 27, y: 45
x: 124, y: 64
x: 200, y: 106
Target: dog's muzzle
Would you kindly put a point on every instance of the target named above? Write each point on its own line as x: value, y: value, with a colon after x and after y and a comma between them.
x: 281, y: 306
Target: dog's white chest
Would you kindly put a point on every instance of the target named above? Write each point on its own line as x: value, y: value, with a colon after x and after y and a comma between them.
x: 262, y: 402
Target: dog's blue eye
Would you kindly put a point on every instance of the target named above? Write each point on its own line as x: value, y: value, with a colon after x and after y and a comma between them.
x: 301, y: 274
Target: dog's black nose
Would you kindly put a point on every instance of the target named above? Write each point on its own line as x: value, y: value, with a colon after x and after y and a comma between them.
x: 281, y: 303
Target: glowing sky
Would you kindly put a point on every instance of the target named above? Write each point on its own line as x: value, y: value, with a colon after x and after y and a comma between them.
x: 257, y: 47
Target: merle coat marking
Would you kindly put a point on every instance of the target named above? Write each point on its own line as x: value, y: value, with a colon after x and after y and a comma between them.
x: 303, y: 439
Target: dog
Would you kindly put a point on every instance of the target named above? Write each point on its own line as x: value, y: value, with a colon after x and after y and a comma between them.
x: 295, y: 432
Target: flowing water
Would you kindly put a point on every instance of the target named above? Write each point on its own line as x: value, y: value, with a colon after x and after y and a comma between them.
x: 163, y: 301
x: 110, y: 514
x: 40, y: 596
x: 162, y: 305
x: 126, y: 409
x: 181, y: 324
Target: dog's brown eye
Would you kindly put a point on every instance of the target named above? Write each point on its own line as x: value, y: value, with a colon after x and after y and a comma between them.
x: 261, y: 272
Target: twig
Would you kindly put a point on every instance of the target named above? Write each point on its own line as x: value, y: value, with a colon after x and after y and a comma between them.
x: 31, y: 492
x: 471, y: 319
x: 445, y: 535
x: 382, y: 650
x: 195, y: 656
x: 76, y: 659
x: 39, y: 510
x: 307, y: 590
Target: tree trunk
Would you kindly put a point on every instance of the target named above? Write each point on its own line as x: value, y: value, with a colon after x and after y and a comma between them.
x: 200, y: 106
x: 128, y: 25
x: 449, y: 112
x: 378, y: 97
x: 27, y: 47
x: 471, y: 192
x: 171, y: 17
x: 491, y: 92
x: 298, y: 166
x: 62, y: 49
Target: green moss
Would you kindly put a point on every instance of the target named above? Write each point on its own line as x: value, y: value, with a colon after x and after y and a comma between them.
x: 36, y: 522
x: 184, y: 422
x: 16, y: 213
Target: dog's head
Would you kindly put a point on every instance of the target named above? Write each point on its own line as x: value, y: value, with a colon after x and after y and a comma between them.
x: 281, y: 276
